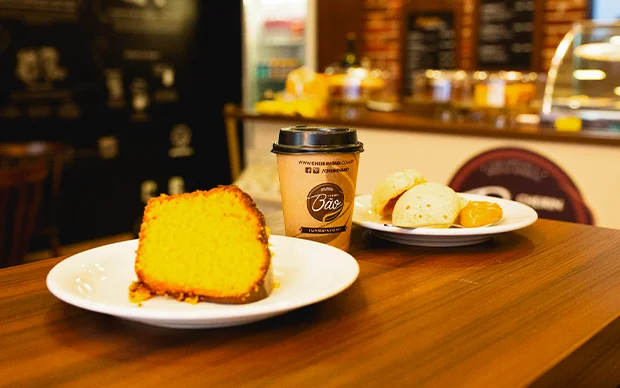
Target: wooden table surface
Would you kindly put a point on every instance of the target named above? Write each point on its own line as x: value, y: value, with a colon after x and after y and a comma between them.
x: 536, y: 307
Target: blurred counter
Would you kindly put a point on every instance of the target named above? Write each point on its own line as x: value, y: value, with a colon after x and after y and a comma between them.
x: 409, y: 121
x: 571, y: 176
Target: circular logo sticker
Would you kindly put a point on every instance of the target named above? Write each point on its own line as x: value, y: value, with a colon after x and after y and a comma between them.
x: 325, y: 202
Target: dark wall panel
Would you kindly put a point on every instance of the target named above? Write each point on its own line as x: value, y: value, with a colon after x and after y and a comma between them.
x: 135, y: 88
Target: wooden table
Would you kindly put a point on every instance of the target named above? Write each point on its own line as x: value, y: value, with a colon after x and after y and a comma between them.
x: 537, y: 307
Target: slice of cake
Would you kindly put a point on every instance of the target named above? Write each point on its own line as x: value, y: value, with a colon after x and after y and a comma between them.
x: 203, y: 246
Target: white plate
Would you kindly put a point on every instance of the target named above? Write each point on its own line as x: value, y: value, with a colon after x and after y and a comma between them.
x: 516, y: 216
x: 98, y: 280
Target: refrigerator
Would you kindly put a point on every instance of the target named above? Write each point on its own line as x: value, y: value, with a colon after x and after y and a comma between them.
x: 278, y: 36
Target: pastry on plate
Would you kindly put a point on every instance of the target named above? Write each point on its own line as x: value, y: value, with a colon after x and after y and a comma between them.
x: 390, y: 188
x: 427, y: 204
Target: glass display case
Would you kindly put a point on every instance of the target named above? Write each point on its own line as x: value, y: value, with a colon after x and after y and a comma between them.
x: 498, y: 97
x: 351, y: 87
x: 583, y: 83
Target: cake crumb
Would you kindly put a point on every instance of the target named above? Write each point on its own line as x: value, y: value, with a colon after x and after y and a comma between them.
x: 138, y: 293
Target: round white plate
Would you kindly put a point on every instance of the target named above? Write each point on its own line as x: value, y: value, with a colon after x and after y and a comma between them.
x: 98, y: 279
x: 516, y: 216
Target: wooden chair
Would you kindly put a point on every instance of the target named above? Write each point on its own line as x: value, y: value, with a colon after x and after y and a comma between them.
x: 232, y: 139
x: 25, y: 171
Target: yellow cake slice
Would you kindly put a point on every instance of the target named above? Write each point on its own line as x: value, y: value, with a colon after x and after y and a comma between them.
x: 203, y: 246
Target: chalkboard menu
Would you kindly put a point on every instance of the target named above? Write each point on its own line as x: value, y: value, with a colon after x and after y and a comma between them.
x: 505, y: 34
x: 430, y: 43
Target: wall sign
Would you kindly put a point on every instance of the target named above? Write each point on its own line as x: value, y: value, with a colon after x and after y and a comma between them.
x: 430, y: 43
x: 527, y: 177
x: 505, y: 34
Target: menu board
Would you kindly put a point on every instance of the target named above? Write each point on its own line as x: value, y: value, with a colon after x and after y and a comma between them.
x: 430, y: 43
x: 505, y: 34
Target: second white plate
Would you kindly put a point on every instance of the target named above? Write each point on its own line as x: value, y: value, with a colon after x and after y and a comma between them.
x: 98, y: 280
x: 516, y: 216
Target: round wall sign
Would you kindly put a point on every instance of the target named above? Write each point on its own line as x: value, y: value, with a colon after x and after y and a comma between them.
x: 527, y: 177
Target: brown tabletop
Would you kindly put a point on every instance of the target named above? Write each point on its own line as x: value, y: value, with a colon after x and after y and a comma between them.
x: 536, y: 307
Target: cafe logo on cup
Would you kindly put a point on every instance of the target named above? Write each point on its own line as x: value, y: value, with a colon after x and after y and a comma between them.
x: 325, y: 202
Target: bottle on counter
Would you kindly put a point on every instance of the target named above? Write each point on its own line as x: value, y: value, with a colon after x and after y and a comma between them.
x: 350, y: 58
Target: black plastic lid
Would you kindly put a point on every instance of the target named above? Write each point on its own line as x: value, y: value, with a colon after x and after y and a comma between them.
x: 303, y: 139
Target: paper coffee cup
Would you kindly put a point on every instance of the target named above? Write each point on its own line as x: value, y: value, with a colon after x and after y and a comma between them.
x: 317, y: 168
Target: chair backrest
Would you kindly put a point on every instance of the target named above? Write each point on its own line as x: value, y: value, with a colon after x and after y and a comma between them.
x: 24, y: 170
